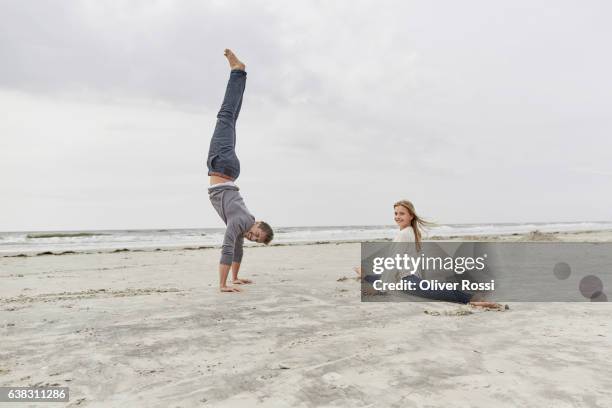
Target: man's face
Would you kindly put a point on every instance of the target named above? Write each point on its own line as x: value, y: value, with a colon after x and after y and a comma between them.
x: 255, y: 234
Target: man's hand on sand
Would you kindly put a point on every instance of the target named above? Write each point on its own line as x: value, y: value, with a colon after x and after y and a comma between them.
x: 241, y: 281
x: 229, y: 289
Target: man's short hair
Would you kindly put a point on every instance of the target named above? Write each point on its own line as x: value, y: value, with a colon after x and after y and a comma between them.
x: 266, y: 229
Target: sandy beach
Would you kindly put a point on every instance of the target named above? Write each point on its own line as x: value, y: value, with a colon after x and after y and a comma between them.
x: 151, y: 329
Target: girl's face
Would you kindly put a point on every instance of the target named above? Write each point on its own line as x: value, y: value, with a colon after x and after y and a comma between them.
x: 402, y: 216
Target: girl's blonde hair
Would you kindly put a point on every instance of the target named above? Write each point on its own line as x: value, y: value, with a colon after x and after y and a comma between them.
x: 417, y: 223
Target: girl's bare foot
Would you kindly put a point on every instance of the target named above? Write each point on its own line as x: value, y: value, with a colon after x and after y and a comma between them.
x: 234, y: 62
x: 488, y: 305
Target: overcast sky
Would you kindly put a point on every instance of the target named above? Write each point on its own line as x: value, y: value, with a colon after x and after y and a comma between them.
x: 477, y: 111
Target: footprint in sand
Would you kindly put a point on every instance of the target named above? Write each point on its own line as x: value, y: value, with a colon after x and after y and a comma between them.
x: 335, y: 380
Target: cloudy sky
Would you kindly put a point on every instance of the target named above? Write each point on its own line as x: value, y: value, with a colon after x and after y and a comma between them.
x: 477, y: 111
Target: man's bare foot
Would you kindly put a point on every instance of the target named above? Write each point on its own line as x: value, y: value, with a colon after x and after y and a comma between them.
x: 234, y: 62
x: 241, y: 281
x: 229, y: 289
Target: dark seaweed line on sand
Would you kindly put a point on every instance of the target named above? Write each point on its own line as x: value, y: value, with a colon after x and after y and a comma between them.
x: 46, y: 253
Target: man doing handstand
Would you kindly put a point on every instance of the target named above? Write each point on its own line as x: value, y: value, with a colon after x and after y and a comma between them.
x: 224, y: 169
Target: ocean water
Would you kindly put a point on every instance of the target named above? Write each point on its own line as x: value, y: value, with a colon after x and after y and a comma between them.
x: 12, y: 243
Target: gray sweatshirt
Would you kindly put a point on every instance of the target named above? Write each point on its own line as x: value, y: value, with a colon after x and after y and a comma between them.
x: 231, y: 208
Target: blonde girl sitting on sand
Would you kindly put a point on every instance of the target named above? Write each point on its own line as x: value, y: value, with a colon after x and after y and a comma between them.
x: 411, y: 228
